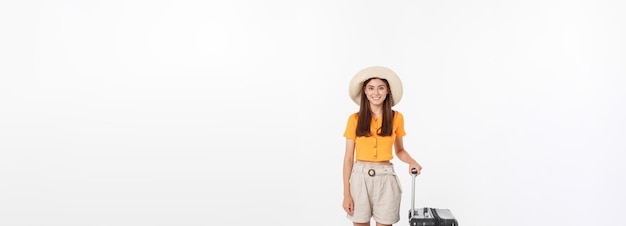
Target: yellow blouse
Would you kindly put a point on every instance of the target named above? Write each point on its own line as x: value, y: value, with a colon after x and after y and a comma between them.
x: 375, y: 147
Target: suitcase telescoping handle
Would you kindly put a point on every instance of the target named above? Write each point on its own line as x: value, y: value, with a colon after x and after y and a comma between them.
x: 414, y: 173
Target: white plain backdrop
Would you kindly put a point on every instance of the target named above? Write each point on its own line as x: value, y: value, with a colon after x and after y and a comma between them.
x: 232, y: 112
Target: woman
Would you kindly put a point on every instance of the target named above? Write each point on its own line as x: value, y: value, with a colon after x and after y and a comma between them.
x: 371, y: 187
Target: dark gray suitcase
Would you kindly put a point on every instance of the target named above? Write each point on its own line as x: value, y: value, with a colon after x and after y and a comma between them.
x: 428, y: 216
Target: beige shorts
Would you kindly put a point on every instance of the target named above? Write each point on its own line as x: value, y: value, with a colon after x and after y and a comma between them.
x: 376, y: 192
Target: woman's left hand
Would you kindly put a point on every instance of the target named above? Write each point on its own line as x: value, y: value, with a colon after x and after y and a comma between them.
x: 415, y: 166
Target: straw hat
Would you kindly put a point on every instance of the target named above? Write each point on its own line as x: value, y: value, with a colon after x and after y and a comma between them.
x: 375, y: 72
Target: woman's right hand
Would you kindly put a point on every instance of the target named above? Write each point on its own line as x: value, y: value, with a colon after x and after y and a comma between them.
x: 348, y: 205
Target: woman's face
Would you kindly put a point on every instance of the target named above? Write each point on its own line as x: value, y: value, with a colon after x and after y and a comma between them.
x: 376, y: 91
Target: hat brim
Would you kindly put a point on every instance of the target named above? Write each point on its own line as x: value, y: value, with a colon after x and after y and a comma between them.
x: 395, y: 84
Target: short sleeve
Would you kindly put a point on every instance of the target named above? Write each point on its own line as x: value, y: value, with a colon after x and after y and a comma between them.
x: 398, y: 121
x: 350, y: 131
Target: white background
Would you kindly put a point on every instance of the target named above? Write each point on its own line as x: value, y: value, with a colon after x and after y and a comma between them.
x: 232, y: 112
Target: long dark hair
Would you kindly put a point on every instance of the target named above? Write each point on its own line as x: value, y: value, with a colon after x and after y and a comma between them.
x: 365, y: 113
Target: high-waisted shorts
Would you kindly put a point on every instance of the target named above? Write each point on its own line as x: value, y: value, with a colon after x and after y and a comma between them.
x: 376, y: 192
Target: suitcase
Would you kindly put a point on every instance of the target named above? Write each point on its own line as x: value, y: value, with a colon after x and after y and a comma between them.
x: 428, y: 216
